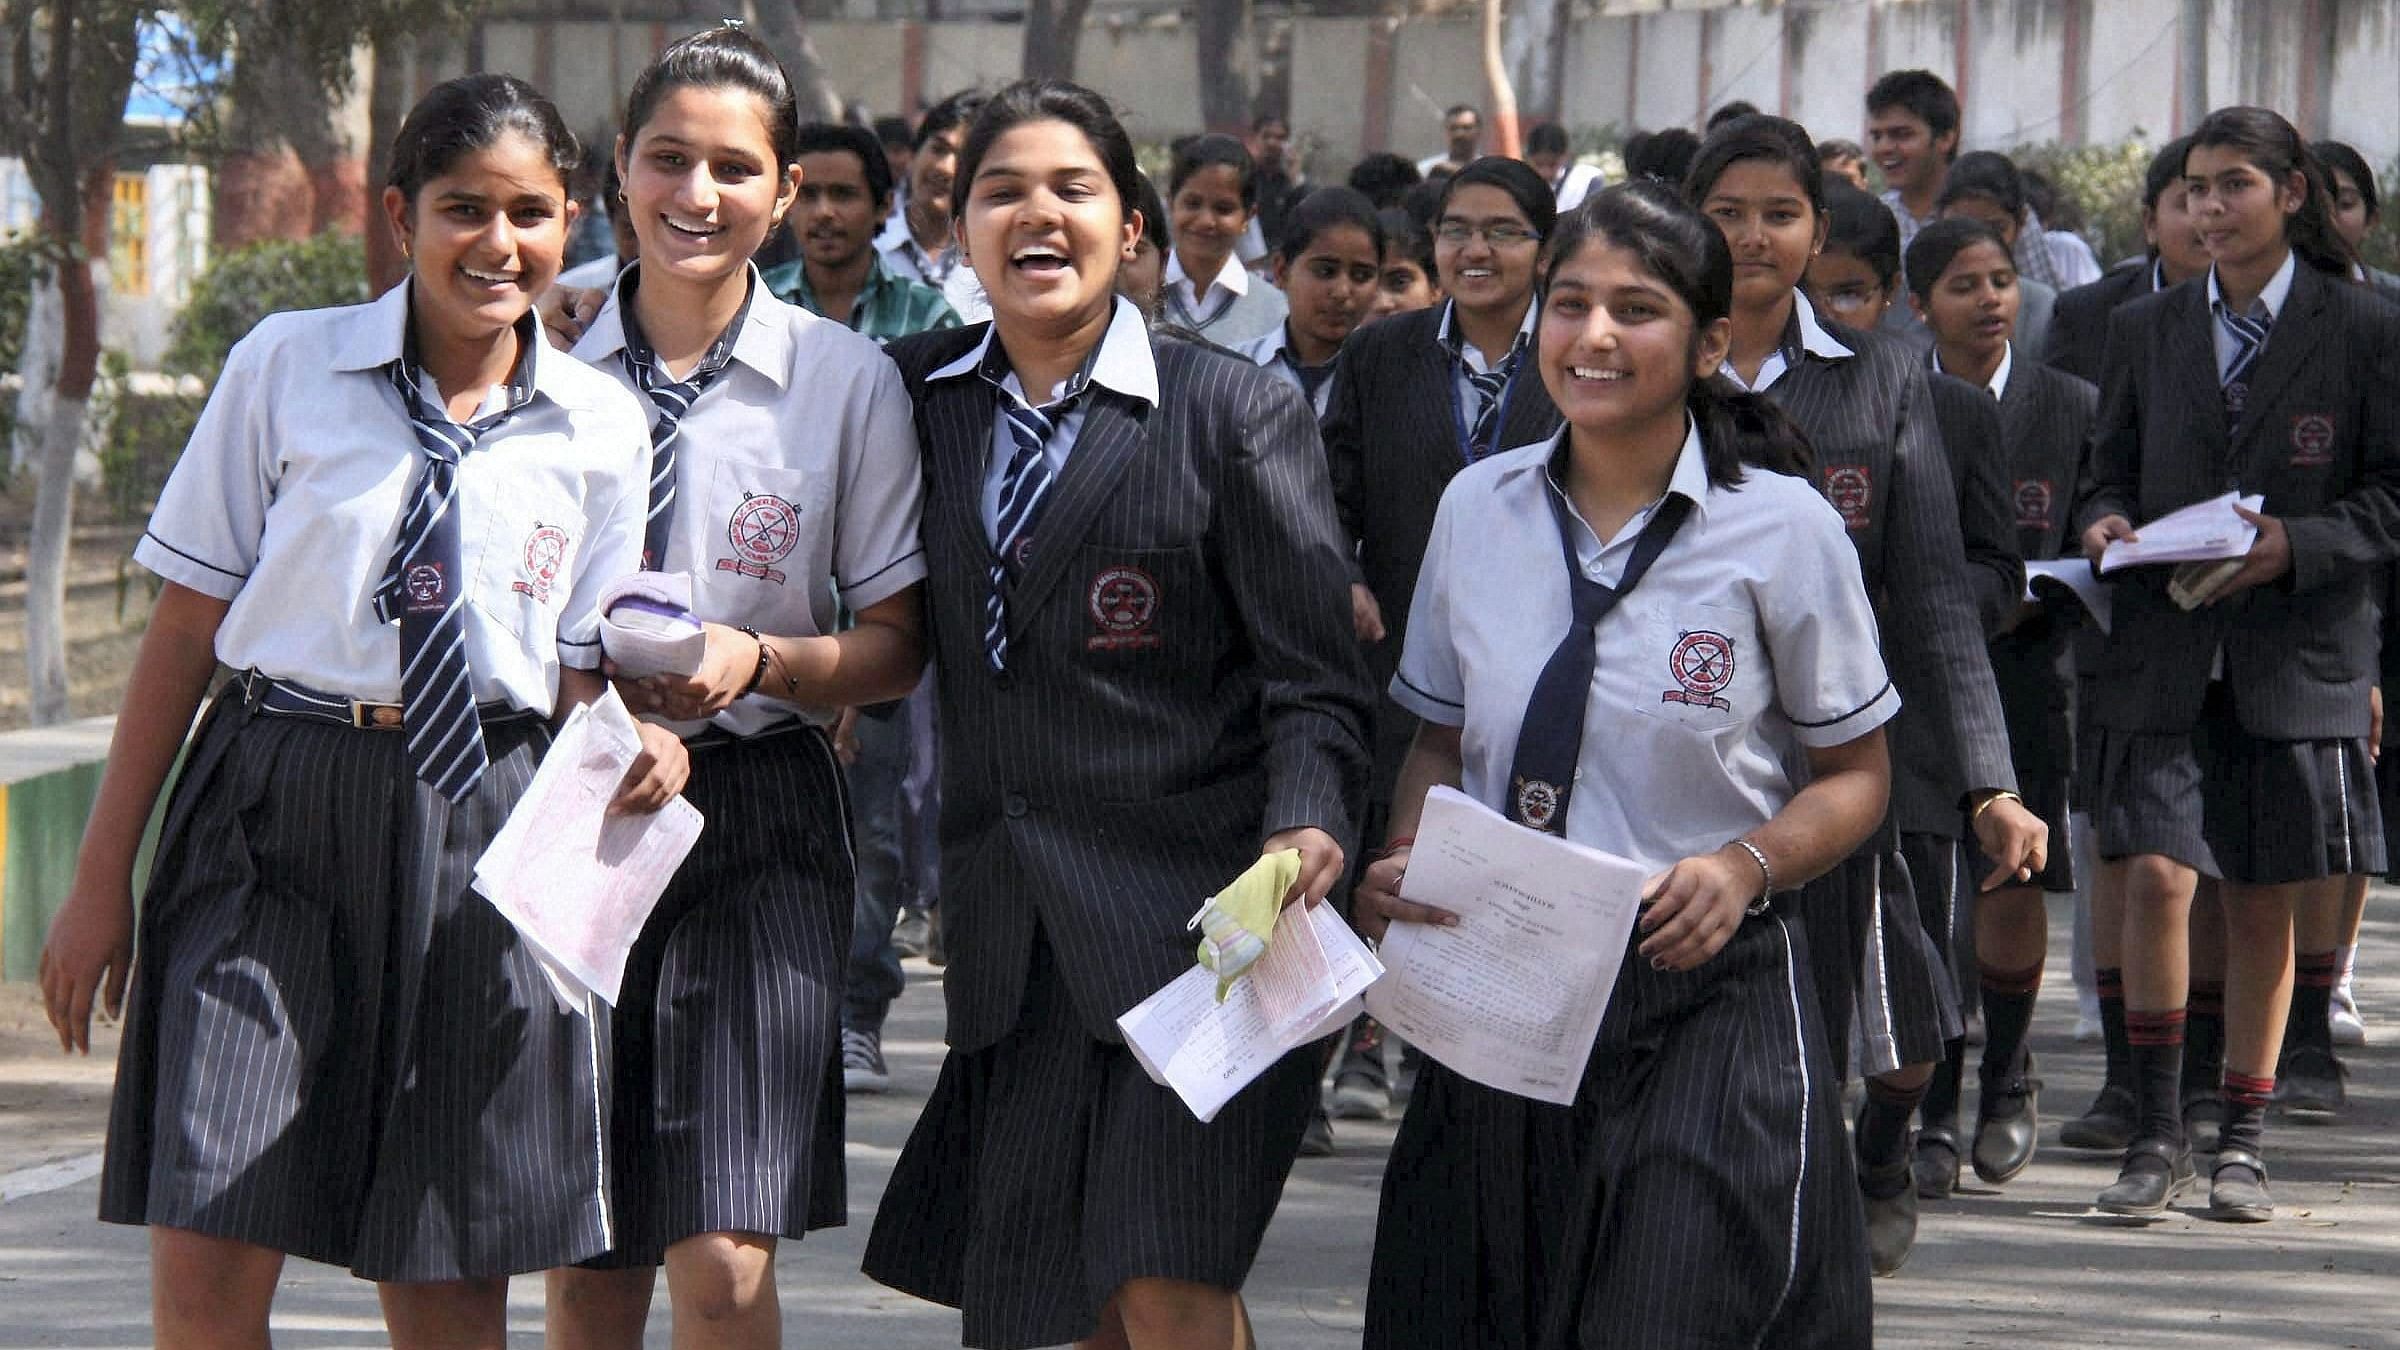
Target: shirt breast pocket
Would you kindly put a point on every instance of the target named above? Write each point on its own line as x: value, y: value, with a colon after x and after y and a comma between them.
x: 756, y: 537
x: 527, y: 564
x: 1694, y: 665
x: 1143, y: 603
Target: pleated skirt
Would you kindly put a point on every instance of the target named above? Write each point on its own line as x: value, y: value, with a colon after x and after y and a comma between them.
x: 334, y: 1048
x: 1884, y: 988
x: 727, y: 1078
x: 1698, y: 1192
x: 1047, y: 1170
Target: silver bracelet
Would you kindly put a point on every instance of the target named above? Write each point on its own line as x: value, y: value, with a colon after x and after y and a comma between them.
x: 1767, y: 888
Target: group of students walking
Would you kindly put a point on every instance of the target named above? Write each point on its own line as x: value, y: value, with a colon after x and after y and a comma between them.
x: 1659, y: 532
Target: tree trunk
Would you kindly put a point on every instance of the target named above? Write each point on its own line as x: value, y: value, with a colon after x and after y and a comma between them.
x: 46, y: 562
x: 1507, y: 137
x: 1535, y: 32
x: 780, y: 26
x: 45, y: 323
x: 387, y: 104
x: 1224, y: 67
x: 1053, y: 32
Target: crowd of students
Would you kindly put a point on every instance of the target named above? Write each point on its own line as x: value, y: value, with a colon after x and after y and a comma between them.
x: 1064, y: 544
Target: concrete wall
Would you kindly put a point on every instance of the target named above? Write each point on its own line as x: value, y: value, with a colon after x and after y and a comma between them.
x: 47, y: 780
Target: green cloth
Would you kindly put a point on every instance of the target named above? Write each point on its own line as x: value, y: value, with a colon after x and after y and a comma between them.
x: 1237, y: 922
x: 888, y: 306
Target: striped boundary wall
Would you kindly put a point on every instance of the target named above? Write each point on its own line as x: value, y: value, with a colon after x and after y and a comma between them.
x: 48, y: 778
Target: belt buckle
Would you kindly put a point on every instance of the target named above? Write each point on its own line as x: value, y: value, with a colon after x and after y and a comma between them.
x: 375, y: 716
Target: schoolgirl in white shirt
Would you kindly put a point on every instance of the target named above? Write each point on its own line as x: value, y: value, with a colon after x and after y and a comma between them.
x: 1634, y: 634
x: 393, y: 522
x: 783, y: 477
x: 1212, y: 194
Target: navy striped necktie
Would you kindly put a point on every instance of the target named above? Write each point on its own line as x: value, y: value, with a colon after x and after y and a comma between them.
x: 424, y: 588
x: 1541, y: 776
x: 670, y: 399
x: 2249, y: 334
x: 1491, y: 389
x: 1024, y: 487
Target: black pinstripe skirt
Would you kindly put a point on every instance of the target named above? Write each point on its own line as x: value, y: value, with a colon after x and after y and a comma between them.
x: 1883, y: 988
x: 727, y: 1058
x: 1698, y: 1192
x: 334, y: 1048
x: 1048, y: 1170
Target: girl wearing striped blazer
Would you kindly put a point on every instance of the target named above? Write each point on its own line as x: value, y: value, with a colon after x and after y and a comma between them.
x: 393, y: 521
x: 783, y: 477
x: 1862, y: 402
x: 1146, y: 676
x: 2232, y: 735
x: 1964, y: 285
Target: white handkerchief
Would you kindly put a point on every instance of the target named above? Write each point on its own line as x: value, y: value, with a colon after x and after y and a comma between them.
x: 647, y: 626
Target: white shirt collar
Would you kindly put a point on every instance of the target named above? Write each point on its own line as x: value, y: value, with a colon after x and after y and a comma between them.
x: 1814, y: 339
x: 1998, y: 384
x: 1525, y: 325
x: 1690, y: 478
x: 374, y: 335
x: 764, y: 344
x: 1232, y: 276
x: 1267, y: 348
x: 2278, y: 288
x: 1125, y: 363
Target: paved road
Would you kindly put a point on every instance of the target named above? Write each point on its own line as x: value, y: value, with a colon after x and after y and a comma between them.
x: 2023, y: 1269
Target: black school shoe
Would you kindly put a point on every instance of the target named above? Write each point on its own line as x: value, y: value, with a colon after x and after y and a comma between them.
x: 2155, y: 1172
x: 2106, y: 1127
x: 2310, y: 1085
x: 2237, y: 1189
x: 1317, y: 1140
x: 1890, y: 1193
x: 1936, y: 1163
x: 2008, y: 1123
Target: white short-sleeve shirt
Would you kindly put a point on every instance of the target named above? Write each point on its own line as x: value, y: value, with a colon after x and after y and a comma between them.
x: 1750, y: 639
x: 287, y: 503
x: 797, y: 481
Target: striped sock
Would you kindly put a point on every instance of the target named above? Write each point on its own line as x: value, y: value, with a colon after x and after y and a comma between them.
x: 2313, y: 976
x: 2154, y: 1040
x: 2007, y: 1014
x: 2245, y: 1111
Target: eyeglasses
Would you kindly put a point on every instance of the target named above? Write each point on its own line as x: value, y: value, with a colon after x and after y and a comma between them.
x: 1499, y: 234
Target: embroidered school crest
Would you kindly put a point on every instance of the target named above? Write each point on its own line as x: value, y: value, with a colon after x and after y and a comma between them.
x: 763, y: 530
x: 1702, y: 663
x: 2312, y: 441
x: 2034, y: 496
x: 1537, y: 803
x: 1851, y: 490
x: 545, y: 558
x: 1124, y: 604
x: 424, y: 586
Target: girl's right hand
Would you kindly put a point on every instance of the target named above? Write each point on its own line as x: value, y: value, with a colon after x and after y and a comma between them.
x: 1375, y: 905
x: 89, y: 953
x: 567, y: 310
x: 2103, y: 532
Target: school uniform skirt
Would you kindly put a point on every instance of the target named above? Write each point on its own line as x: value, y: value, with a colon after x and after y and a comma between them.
x: 1883, y: 987
x: 1698, y: 1192
x: 2238, y: 807
x: 334, y: 1048
x: 727, y: 1076
x: 2034, y: 668
x: 1047, y: 1170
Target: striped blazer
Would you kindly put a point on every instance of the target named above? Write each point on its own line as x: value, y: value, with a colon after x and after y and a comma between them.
x: 2320, y: 439
x: 1391, y: 442
x: 2045, y: 421
x: 1969, y: 422
x: 1182, y: 680
x: 2079, y: 324
x: 1880, y: 461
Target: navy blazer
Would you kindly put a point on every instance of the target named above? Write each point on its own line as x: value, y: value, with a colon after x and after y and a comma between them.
x: 1182, y: 679
x: 2079, y: 324
x: 2321, y: 441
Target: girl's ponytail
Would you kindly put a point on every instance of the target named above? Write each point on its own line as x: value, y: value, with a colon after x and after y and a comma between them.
x: 1741, y: 430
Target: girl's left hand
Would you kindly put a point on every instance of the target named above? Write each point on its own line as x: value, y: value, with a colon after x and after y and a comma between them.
x: 724, y: 673
x: 2016, y: 841
x: 1691, y: 909
x: 657, y: 775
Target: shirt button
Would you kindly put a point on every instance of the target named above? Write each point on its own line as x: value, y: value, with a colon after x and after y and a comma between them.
x: 1014, y: 805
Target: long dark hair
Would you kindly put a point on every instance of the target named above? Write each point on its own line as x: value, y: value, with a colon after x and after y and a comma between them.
x: 1053, y: 101
x: 458, y: 117
x: 1673, y: 242
x: 1759, y: 136
x: 2340, y: 157
x: 2274, y: 147
x: 724, y: 57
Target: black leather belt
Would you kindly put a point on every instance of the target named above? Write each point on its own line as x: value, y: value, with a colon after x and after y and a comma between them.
x: 288, y: 698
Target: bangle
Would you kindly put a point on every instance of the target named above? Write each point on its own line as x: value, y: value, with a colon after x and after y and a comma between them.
x: 1392, y: 846
x: 761, y: 672
x: 1766, y: 875
x: 2002, y: 795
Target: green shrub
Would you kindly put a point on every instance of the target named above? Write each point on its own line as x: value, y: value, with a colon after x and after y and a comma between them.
x: 2105, y: 184
x: 244, y: 286
x: 141, y: 433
